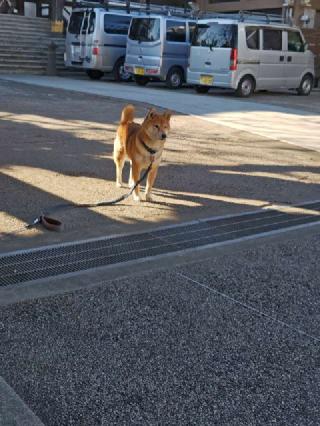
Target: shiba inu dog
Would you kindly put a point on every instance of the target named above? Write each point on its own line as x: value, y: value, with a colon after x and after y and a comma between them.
x: 141, y: 144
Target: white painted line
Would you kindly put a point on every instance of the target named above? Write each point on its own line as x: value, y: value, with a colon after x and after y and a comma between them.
x: 249, y: 307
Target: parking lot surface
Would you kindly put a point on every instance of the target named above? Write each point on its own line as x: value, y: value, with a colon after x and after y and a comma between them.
x: 59, y: 149
x: 227, y: 335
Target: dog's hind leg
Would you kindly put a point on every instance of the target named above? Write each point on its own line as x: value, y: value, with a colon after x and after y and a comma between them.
x: 119, y: 156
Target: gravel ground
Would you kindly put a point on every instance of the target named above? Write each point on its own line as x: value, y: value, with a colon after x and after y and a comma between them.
x: 56, y: 146
x: 158, y: 348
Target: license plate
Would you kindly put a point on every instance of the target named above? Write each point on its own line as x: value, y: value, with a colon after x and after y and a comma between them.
x: 206, y: 79
x: 139, y: 70
x: 76, y: 51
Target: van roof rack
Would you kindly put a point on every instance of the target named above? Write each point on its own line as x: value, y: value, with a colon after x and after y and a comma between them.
x: 129, y: 6
x: 247, y: 16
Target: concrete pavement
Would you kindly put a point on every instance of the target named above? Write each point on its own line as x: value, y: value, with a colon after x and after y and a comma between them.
x: 59, y: 149
x: 298, y: 127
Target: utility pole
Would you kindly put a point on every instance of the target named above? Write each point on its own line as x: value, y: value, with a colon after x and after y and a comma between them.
x: 56, y: 16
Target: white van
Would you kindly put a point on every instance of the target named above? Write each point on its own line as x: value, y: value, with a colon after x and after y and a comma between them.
x: 248, y: 53
x: 96, y: 40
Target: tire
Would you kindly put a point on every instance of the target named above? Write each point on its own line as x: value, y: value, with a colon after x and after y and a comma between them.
x: 202, y: 89
x: 174, y: 78
x: 95, y: 74
x: 305, y: 86
x: 118, y: 72
x: 245, y: 87
x: 141, y: 80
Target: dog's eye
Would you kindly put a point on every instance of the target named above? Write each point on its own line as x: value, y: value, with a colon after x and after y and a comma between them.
x: 156, y: 126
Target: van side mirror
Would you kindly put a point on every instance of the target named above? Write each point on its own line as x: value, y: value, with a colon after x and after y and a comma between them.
x: 305, y: 46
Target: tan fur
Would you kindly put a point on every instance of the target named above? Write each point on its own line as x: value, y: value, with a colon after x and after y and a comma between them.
x: 127, y: 145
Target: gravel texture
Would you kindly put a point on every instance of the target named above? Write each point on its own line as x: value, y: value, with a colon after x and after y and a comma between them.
x: 159, y: 349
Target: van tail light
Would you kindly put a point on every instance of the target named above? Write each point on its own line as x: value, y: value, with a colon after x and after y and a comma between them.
x: 234, y: 59
x: 95, y: 50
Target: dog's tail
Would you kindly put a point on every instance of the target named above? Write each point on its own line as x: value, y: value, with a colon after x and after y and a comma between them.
x: 127, y: 115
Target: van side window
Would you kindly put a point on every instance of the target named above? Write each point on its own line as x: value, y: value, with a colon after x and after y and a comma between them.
x: 252, y: 37
x: 295, y: 43
x: 272, y: 39
x: 116, y: 24
x: 176, y: 31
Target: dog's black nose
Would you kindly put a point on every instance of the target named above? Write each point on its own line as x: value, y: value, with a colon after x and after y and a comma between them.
x: 163, y: 136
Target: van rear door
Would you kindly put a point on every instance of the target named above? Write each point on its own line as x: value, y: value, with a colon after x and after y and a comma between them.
x: 213, y: 45
x: 144, y: 47
x: 73, y: 42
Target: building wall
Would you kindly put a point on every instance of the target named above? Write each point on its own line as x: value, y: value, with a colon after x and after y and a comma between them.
x: 230, y: 6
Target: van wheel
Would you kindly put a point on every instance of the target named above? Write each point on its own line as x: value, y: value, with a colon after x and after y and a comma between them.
x: 202, y: 89
x: 245, y: 87
x: 140, y: 80
x: 305, y: 86
x: 174, y: 78
x: 94, y: 74
x: 119, y: 73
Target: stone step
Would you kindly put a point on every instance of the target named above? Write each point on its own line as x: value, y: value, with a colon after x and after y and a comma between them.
x: 20, y: 50
x: 26, y: 67
x: 35, y: 56
x: 23, y: 19
x: 24, y: 45
x: 25, y: 63
x: 23, y: 31
x: 29, y: 36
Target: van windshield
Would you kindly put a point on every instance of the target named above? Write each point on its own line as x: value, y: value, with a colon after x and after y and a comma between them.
x: 215, y: 35
x: 75, y: 22
x: 145, y: 29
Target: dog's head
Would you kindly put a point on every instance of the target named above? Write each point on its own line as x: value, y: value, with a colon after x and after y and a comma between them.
x: 157, y: 126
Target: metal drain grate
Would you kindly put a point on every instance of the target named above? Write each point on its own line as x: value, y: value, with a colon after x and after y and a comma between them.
x: 58, y: 260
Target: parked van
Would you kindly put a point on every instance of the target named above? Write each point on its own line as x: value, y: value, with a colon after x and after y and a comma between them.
x: 245, y: 54
x: 158, y: 49
x: 96, y: 41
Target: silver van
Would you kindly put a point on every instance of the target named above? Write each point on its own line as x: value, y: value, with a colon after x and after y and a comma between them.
x: 246, y: 54
x: 158, y: 49
x: 96, y: 41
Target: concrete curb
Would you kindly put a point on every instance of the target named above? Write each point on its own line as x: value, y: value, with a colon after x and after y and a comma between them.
x: 13, y: 411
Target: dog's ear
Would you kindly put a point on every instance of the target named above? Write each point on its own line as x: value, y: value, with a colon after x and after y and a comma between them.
x: 167, y: 115
x: 150, y: 114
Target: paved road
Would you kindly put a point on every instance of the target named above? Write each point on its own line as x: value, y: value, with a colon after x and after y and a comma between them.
x: 294, y: 126
x: 226, y: 341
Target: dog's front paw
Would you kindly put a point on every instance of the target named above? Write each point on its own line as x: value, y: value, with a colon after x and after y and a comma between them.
x: 131, y: 183
x: 119, y: 184
x: 149, y: 198
x: 136, y: 198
